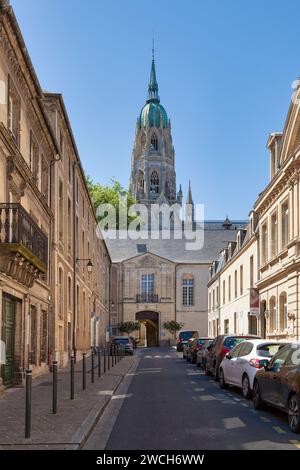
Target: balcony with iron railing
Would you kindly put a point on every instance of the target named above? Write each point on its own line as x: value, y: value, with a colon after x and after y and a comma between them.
x: 23, y: 245
x: 147, y: 298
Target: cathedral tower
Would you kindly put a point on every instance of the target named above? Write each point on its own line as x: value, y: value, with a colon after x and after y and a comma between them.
x: 153, y: 178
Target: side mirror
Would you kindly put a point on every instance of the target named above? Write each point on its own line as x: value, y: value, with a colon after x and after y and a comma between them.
x: 228, y: 356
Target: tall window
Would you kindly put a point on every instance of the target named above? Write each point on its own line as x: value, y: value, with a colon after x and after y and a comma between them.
x: 284, y: 224
x: 235, y: 284
x: 154, y: 182
x: 272, y: 314
x: 235, y: 322
x: 45, y: 178
x: 229, y: 288
x: 34, y: 158
x: 282, y: 311
x: 69, y: 293
x: 214, y: 300
x: 274, y: 234
x: 14, y: 112
x: 226, y: 327
x: 251, y: 271
x: 147, y: 287
x: 217, y: 296
x: 264, y: 242
x: 61, y: 211
x: 209, y: 302
x: 69, y: 225
x: 154, y: 142
x: 241, y: 279
x: 60, y: 293
x: 188, y: 292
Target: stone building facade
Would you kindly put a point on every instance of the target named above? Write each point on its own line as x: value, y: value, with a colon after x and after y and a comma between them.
x: 50, y: 306
x: 275, y: 218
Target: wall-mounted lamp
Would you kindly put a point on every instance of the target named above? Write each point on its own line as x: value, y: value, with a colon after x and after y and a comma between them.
x: 89, y: 265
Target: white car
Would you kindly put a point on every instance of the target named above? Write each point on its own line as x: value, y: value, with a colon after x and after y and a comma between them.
x: 240, y: 365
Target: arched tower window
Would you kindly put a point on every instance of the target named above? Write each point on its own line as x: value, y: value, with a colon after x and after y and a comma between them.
x: 154, y: 182
x: 154, y: 142
x: 141, y: 181
x: 143, y: 141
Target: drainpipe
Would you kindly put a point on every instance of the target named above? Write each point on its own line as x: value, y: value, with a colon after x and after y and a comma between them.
x: 56, y: 158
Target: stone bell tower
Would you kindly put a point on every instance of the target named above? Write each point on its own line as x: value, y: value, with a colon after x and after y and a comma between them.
x: 153, y: 177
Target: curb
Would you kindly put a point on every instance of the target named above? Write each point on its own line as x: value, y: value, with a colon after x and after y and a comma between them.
x: 87, y: 426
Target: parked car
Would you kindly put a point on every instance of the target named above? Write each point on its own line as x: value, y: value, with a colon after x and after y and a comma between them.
x: 197, y: 345
x: 123, y: 341
x: 187, y: 349
x: 184, y: 336
x: 278, y: 384
x: 221, y: 345
x: 201, y: 354
x: 241, y: 364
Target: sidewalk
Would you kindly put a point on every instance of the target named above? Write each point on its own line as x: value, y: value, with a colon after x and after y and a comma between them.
x: 75, y: 419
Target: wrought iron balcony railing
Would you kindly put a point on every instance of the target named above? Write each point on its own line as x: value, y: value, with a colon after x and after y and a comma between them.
x: 147, y: 298
x: 17, y: 227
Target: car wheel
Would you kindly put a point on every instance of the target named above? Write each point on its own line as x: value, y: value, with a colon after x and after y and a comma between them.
x: 293, y: 413
x: 207, y: 371
x: 257, y: 401
x: 223, y: 384
x: 246, y: 387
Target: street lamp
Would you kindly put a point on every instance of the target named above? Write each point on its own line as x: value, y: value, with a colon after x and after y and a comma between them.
x: 89, y: 266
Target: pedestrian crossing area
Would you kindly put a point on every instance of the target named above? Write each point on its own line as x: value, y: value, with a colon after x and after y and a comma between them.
x: 158, y: 356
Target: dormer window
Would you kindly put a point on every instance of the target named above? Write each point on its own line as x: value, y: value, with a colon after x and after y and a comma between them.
x: 154, y: 142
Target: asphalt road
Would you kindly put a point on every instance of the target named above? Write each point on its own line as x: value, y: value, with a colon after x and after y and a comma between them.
x: 167, y: 403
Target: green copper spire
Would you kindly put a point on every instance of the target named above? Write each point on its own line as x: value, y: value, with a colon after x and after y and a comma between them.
x: 153, y: 86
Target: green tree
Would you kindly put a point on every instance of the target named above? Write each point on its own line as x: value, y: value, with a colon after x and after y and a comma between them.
x: 115, y: 195
x: 129, y: 326
x: 172, y: 327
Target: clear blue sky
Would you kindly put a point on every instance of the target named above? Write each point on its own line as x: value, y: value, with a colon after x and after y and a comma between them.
x: 224, y: 71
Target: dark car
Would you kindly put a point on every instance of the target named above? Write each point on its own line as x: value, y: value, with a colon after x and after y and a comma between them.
x: 124, y: 342
x: 197, y: 344
x: 278, y: 384
x: 184, y: 336
x: 221, y: 345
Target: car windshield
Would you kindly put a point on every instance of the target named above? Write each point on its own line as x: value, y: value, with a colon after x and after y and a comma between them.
x: 268, y: 350
x: 185, y: 335
x: 121, y: 340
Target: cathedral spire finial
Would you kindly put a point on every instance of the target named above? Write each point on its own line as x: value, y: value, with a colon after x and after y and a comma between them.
x: 153, y: 85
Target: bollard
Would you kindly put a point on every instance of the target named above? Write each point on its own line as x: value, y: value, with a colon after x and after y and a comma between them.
x: 72, y: 377
x: 28, y: 373
x: 108, y: 358
x: 93, y: 367
x: 83, y: 371
x: 54, y: 389
x: 104, y: 358
x: 99, y: 362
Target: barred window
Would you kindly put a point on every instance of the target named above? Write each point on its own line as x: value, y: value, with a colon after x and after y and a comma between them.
x: 188, y: 292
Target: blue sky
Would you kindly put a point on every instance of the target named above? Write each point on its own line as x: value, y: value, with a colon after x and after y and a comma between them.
x: 224, y: 70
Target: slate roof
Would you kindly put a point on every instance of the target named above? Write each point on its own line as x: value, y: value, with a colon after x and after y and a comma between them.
x: 215, y: 239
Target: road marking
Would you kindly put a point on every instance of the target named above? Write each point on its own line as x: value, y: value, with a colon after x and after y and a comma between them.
x: 156, y: 357
x: 233, y: 423
x: 207, y: 398
x: 237, y: 399
x: 106, y: 392
x: 279, y: 430
x: 199, y: 389
x: 193, y: 382
x: 295, y: 443
x: 168, y: 356
x: 147, y: 357
x: 264, y: 419
x: 120, y: 397
x: 245, y: 404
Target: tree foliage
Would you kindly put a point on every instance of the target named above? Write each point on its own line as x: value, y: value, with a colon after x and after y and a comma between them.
x: 114, y: 194
x: 172, y: 326
x: 129, y: 326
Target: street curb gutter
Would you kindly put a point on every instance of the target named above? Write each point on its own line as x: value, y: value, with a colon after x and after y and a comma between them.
x: 87, y: 426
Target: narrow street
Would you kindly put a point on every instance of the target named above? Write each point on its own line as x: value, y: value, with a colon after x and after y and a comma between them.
x: 168, y: 403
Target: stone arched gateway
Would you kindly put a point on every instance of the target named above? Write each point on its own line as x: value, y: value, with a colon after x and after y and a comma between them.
x: 150, y: 320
